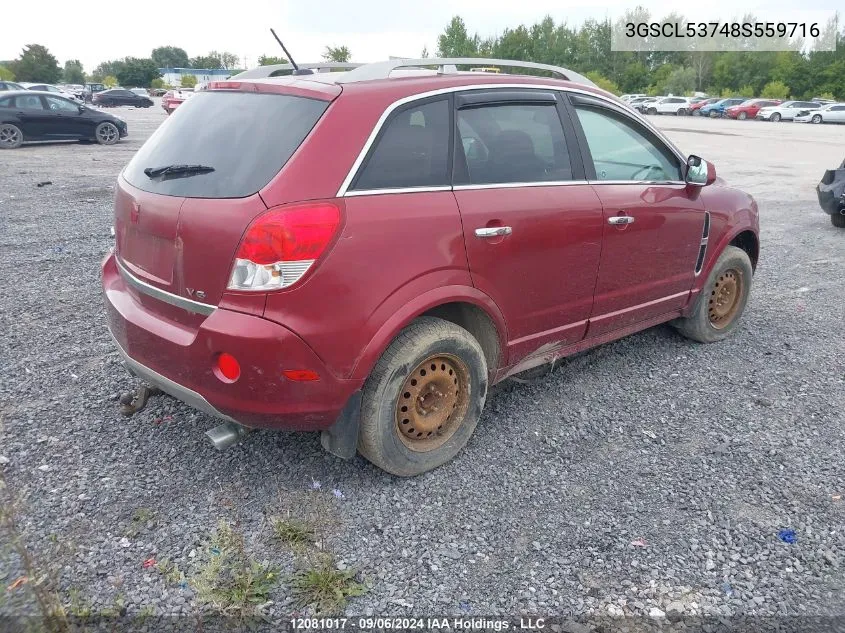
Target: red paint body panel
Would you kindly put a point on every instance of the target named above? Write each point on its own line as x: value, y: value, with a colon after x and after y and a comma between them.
x: 647, y: 267
x: 751, y: 109
x: 541, y: 276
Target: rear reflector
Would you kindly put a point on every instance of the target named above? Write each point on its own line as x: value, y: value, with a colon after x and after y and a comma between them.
x: 301, y: 375
x: 228, y: 366
x: 281, y: 245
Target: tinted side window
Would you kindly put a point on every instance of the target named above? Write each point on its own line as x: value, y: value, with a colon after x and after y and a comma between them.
x: 6, y: 103
x: 514, y: 143
x: 411, y: 151
x: 57, y: 104
x: 29, y: 102
x: 622, y: 150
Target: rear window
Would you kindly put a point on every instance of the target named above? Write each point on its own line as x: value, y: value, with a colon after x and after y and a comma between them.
x: 246, y: 137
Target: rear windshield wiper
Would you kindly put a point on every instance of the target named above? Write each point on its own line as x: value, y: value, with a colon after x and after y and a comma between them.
x: 173, y: 170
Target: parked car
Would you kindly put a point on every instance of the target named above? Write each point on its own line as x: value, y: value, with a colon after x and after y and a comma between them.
x: 786, y: 111
x: 142, y: 92
x: 748, y: 109
x: 641, y: 103
x: 717, y: 109
x: 628, y: 97
x: 90, y: 90
x: 157, y: 92
x: 668, y: 105
x: 695, y: 108
x: 559, y: 220
x: 831, y: 113
x: 50, y: 88
x: 26, y: 115
x: 10, y: 85
x: 172, y: 99
x: 77, y: 90
x: 121, y: 97
x: 831, y: 194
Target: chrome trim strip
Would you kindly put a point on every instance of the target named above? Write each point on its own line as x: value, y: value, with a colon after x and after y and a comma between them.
x: 342, y: 191
x: 637, y: 182
x: 175, y: 300
x: 511, y: 185
x: 378, y: 192
x: 188, y: 396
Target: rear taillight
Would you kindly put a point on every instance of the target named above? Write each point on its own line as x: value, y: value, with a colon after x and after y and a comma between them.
x: 281, y: 245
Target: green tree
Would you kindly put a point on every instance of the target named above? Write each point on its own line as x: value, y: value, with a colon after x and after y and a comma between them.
x: 227, y: 60
x: 206, y: 61
x: 109, y: 81
x: 6, y: 74
x: 157, y: 83
x: 266, y: 60
x: 456, y: 42
x: 170, y: 57
x: 775, y: 90
x: 137, y: 72
x: 336, y: 54
x: 189, y: 81
x: 74, y: 73
x: 680, y: 81
x: 36, y: 64
x: 108, y: 69
x: 424, y: 53
x: 603, y: 82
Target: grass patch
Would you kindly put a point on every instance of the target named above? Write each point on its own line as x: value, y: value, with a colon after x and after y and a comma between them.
x: 140, y: 518
x: 170, y: 571
x: 324, y: 587
x: 293, y: 532
x: 229, y: 581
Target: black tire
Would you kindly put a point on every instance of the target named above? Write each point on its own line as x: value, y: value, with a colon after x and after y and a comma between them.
x: 651, y: 111
x: 696, y: 112
x: 838, y: 220
x: 11, y: 136
x: 742, y: 116
x: 775, y: 117
x: 817, y: 118
x: 681, y: 111
x: 390, y: 441
x: 107, y: 133
x: 713, y: 114
x: 709, y: 322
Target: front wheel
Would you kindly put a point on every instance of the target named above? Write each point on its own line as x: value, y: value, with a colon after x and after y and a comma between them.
x: 838, y: 220
x: 722, y: 300
x: 775, y: 117
x: 817, y: 118
x: 682, y: 111
x: 11, y: 136
x: 423, y: 399
x: 651, y: 111
x: 713, y: 114
x: 107, y: 133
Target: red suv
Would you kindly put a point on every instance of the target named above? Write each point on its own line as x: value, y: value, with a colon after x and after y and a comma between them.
x: 749, y: 109
x: 365, y: 253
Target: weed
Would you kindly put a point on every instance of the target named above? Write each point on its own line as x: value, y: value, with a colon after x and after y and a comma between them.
x: 79, y: 607
x: 324, y: 587
x: 230, y: 581
x: 140, y: 518
x: 170, y: 571
x: 293, y: 532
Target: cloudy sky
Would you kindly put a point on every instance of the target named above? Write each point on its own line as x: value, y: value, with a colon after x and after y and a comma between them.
x: 99, y: 30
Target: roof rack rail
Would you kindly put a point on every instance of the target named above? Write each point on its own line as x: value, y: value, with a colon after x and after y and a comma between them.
x: 447, y: 65
x: 267, y: 71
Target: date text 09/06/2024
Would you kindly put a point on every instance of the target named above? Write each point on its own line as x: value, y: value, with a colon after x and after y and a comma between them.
x: 419, y: 624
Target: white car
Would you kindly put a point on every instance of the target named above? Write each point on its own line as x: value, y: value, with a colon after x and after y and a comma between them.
x: 51, y: 88
x: 786, y: 111
x: 140, y: 91
x: 833, y: 113
x: 626, y: 98
x: 669, y: 105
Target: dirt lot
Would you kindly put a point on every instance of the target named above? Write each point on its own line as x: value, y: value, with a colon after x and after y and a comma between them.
x: 649, y: 476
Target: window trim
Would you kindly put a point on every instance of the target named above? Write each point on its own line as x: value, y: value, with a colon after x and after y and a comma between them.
x: 646, y: 130
x: 564, y: 91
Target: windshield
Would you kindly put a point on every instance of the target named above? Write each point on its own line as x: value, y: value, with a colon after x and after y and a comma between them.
x: 244, y: 139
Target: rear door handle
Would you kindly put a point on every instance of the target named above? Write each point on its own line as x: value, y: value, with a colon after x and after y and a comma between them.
x: 493, y: 231
x: 620, y: 219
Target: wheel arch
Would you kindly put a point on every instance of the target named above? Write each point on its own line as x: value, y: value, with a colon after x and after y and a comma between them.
x: 465, y: 306
x: 748, y: 241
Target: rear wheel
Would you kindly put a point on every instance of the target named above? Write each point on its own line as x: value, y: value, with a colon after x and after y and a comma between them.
x: 775, y: 117
x: 423, y: 399
x: 838, y: 220
x: 713, y: 114
x: 11, y: 136
x: 681, y: 111
x: 107, y: 133
x: 722, y: 300
x: 817, y: 118
x: 742, y: 116
x: 651, y: 111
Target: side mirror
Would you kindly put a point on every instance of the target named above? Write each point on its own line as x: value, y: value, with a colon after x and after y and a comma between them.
x: 700, y: 172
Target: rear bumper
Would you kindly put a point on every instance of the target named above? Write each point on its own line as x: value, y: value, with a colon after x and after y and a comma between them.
x: 176, y: 351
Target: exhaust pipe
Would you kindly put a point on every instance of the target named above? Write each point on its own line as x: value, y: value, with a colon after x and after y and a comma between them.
x: 225, y: 435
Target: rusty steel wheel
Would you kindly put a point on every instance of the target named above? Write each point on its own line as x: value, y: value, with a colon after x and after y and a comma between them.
x: 432, y: 402
x: 725, y: 298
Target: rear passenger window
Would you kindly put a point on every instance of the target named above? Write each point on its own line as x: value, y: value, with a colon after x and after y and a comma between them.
x: 29, y: 102
x: 513, y: 143
x: 411, y: 151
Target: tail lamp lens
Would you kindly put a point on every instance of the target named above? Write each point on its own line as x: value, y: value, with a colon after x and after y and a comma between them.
x: 281, y: 245
x: 229, y: 366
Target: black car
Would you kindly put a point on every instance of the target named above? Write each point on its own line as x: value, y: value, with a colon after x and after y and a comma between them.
x: 10, y: 85
x: 42, y: 116
x: 121, y: 97
x: 831, y: 193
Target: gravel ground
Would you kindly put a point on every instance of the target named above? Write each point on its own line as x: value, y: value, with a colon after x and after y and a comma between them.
x: 650, y: 476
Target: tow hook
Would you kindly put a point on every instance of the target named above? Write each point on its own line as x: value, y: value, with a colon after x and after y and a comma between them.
x: 131, y: 403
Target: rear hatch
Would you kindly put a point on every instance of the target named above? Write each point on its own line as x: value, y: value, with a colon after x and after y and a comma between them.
x: 179, y: 229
